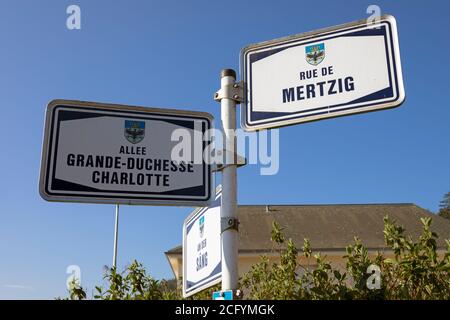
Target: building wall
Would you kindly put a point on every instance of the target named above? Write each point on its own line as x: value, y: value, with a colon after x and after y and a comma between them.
x: 247, y: 261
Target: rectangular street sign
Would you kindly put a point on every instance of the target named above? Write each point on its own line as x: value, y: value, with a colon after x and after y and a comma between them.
x: 352, y: 68
x: 223, y: 295
x: 105, y: 153
x: 202, y: 252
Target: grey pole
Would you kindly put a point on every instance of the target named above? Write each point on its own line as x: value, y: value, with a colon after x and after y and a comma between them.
x: 116, y: 236
x: 229, y: 184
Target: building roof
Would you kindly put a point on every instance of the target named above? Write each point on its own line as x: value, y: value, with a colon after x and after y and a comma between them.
x: 330, y: 227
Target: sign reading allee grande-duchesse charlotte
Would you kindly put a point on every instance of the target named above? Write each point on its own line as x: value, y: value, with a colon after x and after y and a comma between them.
x: 333, y: 72
x: 104, y: 153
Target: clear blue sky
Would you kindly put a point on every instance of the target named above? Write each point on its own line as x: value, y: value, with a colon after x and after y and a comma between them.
x: 169, y: 54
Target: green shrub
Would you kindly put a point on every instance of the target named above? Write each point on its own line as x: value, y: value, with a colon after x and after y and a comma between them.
x: 415, y: 271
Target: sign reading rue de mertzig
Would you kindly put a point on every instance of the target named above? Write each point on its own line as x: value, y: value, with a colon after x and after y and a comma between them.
x: 104, y: 153
x: 352, y: 68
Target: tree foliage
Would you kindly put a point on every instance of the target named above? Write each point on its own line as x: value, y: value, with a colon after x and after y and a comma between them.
x: 444, y: 206
x: 135, y: 284
x: 414, y: 270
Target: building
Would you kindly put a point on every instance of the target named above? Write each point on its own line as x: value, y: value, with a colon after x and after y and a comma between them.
x: 330, y: 228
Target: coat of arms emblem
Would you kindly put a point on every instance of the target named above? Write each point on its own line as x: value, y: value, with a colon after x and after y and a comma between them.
x: 134, y: 131
x: 315, y: 53
x: 201, y: 224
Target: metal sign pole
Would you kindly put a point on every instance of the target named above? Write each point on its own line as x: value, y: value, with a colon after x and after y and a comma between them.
x: 116, y: 236
x: 229, y: 182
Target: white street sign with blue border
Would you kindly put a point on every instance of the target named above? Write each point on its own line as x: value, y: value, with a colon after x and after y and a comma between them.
x: 343, y: 70
x: 107, y: 153
x: 202, y: 252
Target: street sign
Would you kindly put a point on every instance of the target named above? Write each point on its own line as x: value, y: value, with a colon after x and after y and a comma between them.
x: 104, y: 153
x: 202, y: 252
x: 348, y: 69
x: 223, y: 295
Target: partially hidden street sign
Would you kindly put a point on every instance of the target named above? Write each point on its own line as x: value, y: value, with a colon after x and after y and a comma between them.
x: 352, y: 68
x: 103, y: 153
x: 202, y: 252
x: 223, y: 295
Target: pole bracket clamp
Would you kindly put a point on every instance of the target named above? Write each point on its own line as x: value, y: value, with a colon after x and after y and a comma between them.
x: 233, y: 91
x: 220, y: 165
x: 227, y: 223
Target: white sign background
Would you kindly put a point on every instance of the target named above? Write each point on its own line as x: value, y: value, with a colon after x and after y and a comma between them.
x: 197, y: 280
x: 79, y: 128
x: 367, y: 53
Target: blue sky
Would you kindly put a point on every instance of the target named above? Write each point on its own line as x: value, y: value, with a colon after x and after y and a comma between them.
x: 169, y: 54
